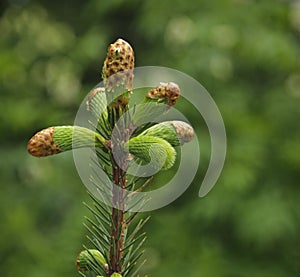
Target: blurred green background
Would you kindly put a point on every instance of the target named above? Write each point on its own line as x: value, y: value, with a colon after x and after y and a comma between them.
x: 245, y: 52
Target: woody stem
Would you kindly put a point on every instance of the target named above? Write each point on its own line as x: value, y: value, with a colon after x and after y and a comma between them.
x: 118, y: 227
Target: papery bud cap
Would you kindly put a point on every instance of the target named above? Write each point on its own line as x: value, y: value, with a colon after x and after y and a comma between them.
x: 42, y: 144
x: 165, y: 91
x: 183, y: 130
x: 118, y: 65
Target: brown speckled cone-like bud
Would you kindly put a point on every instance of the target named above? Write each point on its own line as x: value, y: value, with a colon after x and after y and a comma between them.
x: 184, y: 131
x: 169, y: 92
x: 42, y: 144
x: 118, y: 65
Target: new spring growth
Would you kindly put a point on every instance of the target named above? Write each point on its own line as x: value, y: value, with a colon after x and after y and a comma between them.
x: 156, y: 102
x: 54, y: 140
x: 88, y: 258
x: 116, y: 275
x: 97, y: 103
x: 175, y: 132
x: 155, y: 145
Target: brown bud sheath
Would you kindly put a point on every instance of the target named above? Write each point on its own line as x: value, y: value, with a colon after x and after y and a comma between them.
x: 42, y: 144
x: 184, y: 131
x: 165, y: 92
x: 118, y: 65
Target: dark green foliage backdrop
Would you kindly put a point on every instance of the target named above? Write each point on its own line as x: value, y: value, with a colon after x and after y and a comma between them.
x: 245, y: 52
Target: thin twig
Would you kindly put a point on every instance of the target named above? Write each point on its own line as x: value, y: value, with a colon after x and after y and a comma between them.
x: 141, y: 187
